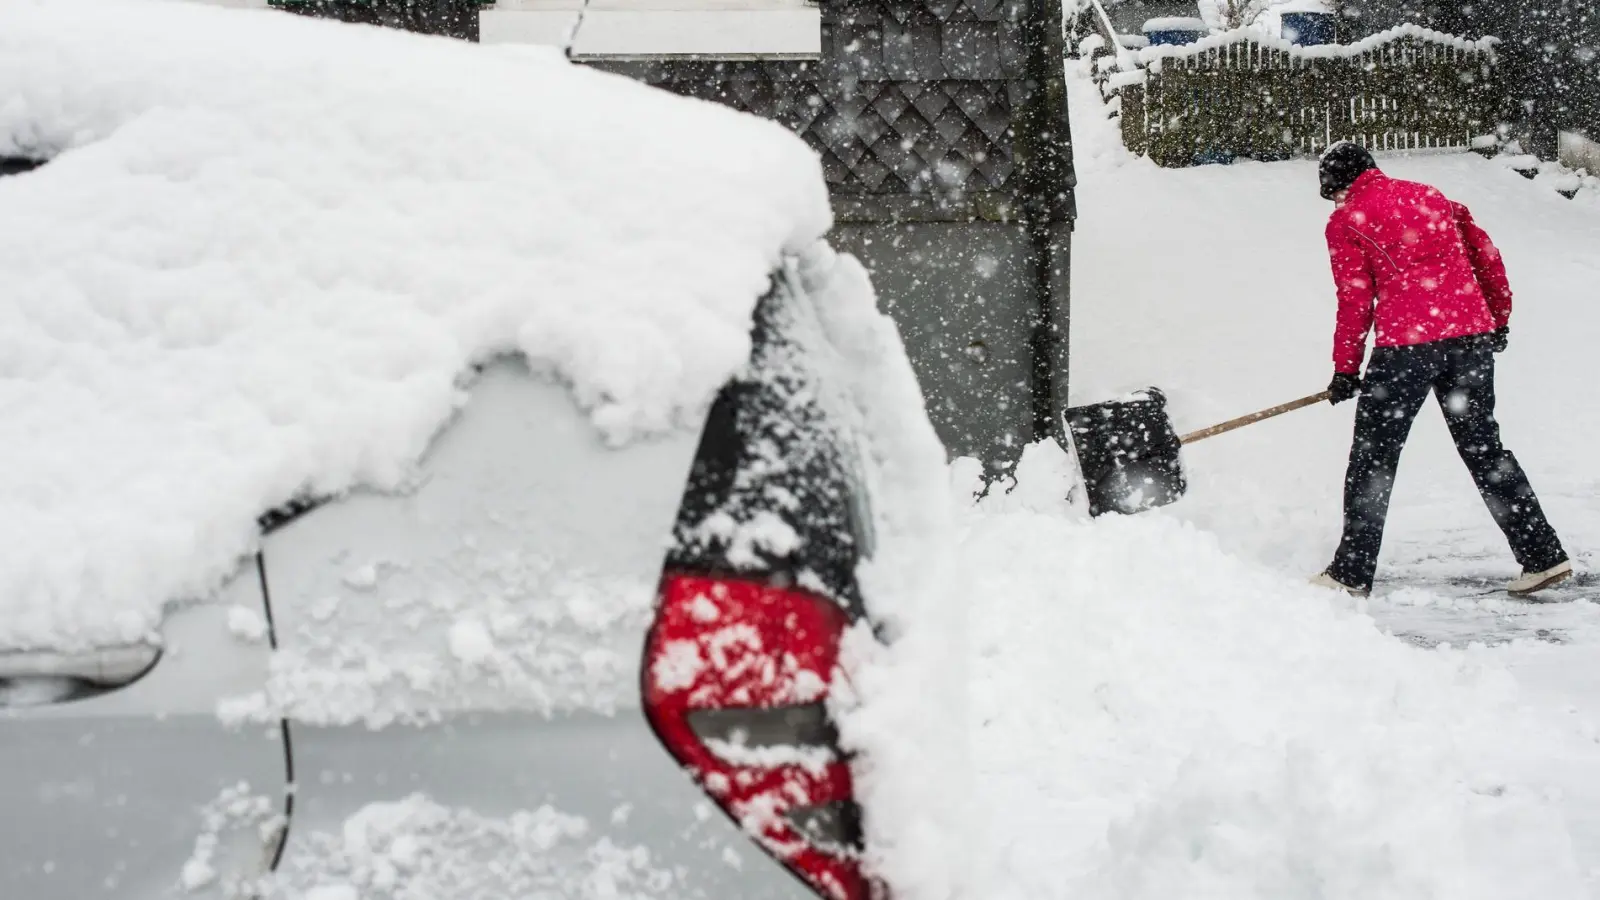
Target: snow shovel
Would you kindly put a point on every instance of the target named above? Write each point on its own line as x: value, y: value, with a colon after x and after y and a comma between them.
x: 1128, y: 451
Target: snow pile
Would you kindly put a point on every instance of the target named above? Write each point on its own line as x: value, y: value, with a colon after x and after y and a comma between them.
x: 1161, y: 707
x: 266, y: 248
x: 1175, y: 23
x: 1518, y: 162
x: 1565, y: 175
x: 1075, y: 9
x: 1096, y: 137
x: 917, y: 838
x: 1155, y: 718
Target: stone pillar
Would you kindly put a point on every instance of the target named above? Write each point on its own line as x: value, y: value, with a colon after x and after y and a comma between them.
x: 942, y: 129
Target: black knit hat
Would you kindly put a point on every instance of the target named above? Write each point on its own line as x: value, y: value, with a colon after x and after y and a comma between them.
x: 1342, y: 164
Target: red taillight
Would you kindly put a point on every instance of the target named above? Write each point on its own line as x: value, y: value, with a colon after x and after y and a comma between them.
x: 735, y: 676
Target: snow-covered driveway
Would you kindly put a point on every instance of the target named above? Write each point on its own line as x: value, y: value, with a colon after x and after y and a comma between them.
x: 1160, y: 707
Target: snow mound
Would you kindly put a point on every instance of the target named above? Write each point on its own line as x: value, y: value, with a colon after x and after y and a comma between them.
x: 267, y: 248
x: 916, y: 838
x: 1153, y: 717
x: 1174, y: 23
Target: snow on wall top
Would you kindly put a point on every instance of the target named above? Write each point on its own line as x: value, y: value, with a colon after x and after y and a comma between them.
x: 1154, y: 55
x: 268, y: 247
x: 1174, y: 23
x: 1302, y: 6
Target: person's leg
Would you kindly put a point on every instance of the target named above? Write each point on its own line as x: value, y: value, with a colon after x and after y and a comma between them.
x: 1397, y: 382
x: 1466, y: 393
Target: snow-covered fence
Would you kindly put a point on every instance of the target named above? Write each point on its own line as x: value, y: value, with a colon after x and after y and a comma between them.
x: 1244, y: 94
x: 1092, y: 37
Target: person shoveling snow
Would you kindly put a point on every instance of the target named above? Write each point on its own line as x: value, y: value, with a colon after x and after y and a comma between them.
x: 1413, y: 267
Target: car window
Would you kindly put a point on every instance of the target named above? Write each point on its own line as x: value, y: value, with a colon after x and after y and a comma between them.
x: 775, y: 490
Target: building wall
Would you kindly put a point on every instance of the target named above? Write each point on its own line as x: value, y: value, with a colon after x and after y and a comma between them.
x: 942, y: 131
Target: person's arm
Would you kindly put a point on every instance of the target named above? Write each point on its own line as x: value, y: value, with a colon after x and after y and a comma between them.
x: 1352, y: 278
x: 1487, y: 266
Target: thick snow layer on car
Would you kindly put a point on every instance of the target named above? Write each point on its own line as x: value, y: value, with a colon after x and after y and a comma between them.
x: 265, y: 249
x: 903, y: 702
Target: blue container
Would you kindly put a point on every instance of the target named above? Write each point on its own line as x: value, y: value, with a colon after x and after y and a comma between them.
x: 1172, y: 38
x: 1309, y: 28
x: 1173, y: 31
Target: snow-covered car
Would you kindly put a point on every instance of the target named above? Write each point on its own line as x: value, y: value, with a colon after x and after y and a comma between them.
x: 416, y: 457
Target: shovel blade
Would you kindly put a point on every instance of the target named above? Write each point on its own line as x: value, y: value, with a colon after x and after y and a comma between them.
x: 1127, y: 453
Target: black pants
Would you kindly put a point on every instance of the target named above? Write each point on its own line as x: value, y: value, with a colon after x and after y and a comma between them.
x: 1460, y: 371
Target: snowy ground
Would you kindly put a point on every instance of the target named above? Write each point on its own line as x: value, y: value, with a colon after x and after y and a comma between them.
x: 1161, y: 707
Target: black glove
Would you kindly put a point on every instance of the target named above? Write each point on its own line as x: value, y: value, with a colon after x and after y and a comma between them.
x: 1499, y: 339
x: 1343, y: 386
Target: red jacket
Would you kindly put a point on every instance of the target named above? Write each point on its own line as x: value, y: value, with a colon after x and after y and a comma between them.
x: 1412, y: 266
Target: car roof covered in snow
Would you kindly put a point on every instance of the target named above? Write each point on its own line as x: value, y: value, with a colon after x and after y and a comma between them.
x: 266, y: 249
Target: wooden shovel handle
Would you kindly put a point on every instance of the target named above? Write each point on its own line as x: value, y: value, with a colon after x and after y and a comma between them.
x: 1253, y: 418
